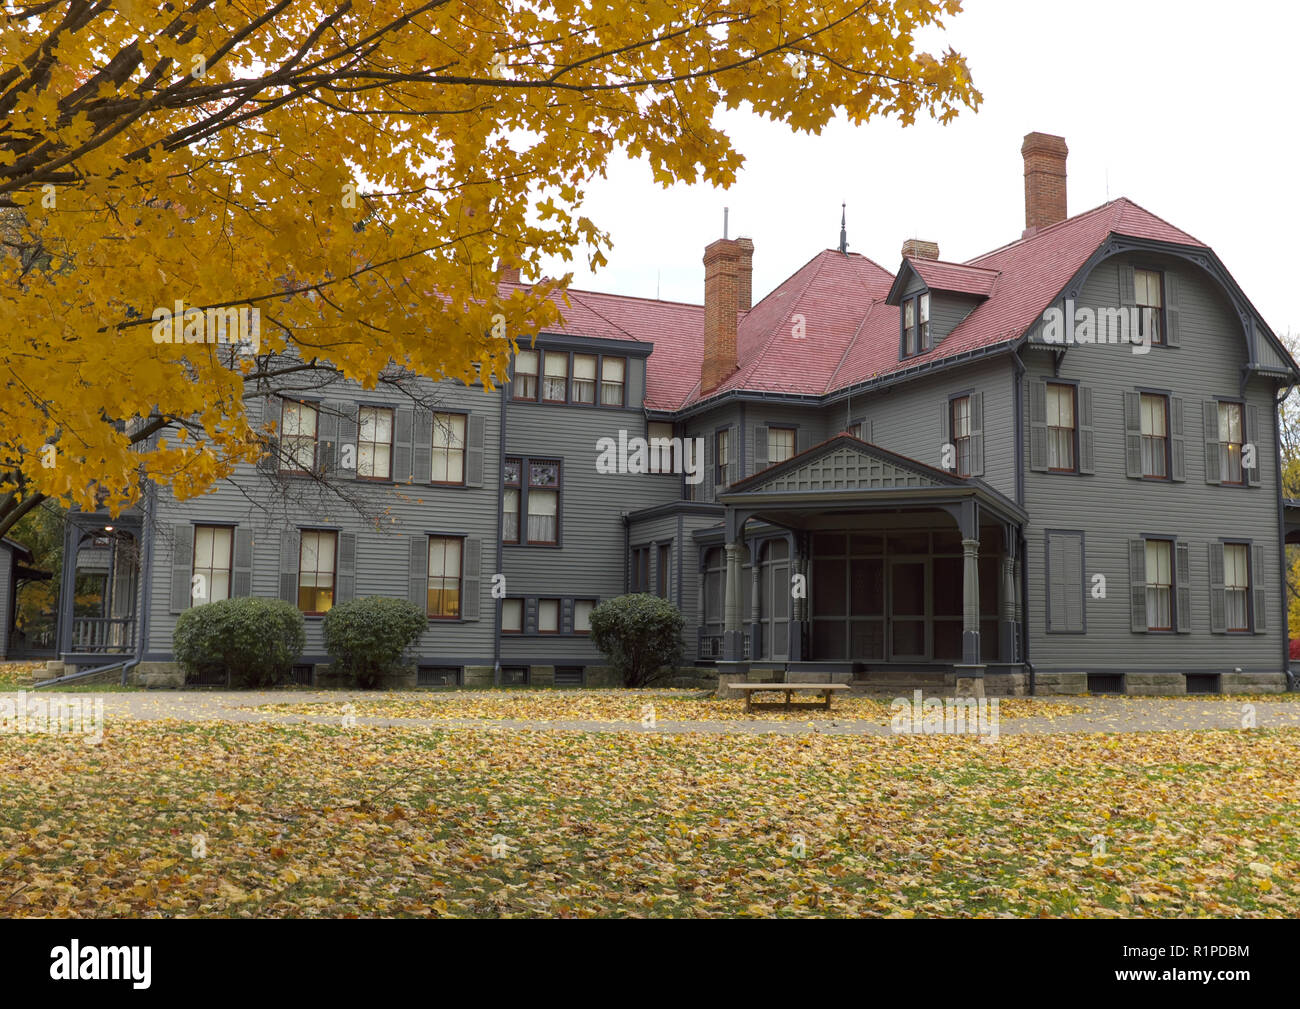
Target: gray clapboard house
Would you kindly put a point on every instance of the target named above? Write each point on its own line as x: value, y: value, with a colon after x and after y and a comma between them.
x: 1052, y: 467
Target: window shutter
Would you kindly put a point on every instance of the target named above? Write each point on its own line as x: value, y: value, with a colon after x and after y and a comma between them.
x: 1133, y: 436
x: 471, y: 576
x: 530, y: 615
x: 270, y: 463
x: 346, y: 589
x: 182, y: 566
x: 421, y: 461
x: 1087, y: 453
x: 1137, y: 584
x: 1251, y: 435
x: 417, y: 573
x: 869, y: 431
x: 1127, y: 286
x: 1038, y: 426
x: 1173, y: 315
x: 635, y: 382
x: 945, y: 435
x: 290, y: 541
x: 733, y: 453
x: 760, y: 447
x: 327, y: 437
x: 348, y: 435
x: 1074, y: 582
x: 241, y: 579
x: 1177, y: 441
x: 402, y: 422
x: 1218, y: 594
x: 1210, y: 427
x: 1056, y: 618
x: 802, y: 440
x: 1259, y: 602
x: 474, y: 451
x: 1182, y: 587
x: 977, y: 434
x: 566, y: 616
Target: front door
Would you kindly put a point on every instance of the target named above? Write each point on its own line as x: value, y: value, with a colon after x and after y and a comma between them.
x: 909, y: 624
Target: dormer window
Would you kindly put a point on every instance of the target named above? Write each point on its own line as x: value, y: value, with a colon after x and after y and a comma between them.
x: 916, y: 324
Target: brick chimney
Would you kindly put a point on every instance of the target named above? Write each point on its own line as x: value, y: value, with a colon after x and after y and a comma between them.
x: 1044, y: 157
x: 745, y: 275
x: 722, y: 284
x: 919, y: 248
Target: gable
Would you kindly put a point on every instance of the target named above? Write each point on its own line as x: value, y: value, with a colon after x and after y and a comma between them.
x: 845, y: 464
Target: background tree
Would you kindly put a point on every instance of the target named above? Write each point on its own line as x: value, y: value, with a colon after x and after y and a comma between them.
x: 359, y: 173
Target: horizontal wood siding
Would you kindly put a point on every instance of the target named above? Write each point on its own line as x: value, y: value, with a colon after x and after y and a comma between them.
x: 1112, y: 508
x: 382, y: 554
x: 589, y: 563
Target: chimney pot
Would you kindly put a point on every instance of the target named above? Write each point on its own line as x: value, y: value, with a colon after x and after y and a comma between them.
x: 1044, y: 156
x: 919, y: 248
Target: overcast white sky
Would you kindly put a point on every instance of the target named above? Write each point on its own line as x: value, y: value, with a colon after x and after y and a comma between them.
x: 1188, y: 108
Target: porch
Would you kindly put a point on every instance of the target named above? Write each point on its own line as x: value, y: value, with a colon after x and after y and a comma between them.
x: 100, y: 588
x: 851, y: 564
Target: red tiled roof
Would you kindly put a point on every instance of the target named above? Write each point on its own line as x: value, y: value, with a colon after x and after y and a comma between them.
x: 828, y: 327
x: 958, y: 277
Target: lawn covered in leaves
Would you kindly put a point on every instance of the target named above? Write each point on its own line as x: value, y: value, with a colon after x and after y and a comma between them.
x: 262, y: 819
x: 621, y: 705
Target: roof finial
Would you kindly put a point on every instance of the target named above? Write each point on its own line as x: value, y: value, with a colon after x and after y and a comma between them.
x: 844, y: 236
x: 726, y: 211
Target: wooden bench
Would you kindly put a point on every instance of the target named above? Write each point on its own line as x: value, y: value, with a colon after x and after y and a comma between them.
x: 789, y: 689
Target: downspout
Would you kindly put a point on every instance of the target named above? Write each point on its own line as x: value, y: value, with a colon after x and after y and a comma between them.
x: 501, y: 511
x: 1281, y: 536
x: 1018, y: 405
x: 146, y: 587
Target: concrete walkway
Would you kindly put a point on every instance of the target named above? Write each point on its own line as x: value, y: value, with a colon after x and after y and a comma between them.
x: 1099, y: 714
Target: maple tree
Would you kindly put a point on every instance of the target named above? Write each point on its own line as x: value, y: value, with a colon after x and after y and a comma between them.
x: 360, y: 174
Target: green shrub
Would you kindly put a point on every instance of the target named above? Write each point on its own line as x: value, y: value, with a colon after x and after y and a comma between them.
x: 367, y: 637
x: 255, y: 640
x: 639, y: 634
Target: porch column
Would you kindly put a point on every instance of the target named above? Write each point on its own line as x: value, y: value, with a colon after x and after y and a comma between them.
x: 755, y: 611
x: 970, y: 614
x: 732, y: 647
x: 1007, y: 602
x: 67, y: 587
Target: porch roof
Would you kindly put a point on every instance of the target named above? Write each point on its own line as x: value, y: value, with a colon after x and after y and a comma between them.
x: 1291, y: 519
x: 845, y: 473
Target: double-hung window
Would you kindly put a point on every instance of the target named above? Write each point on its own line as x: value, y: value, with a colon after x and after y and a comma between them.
x: 375, y: 443
x: 525, y: 386
x: 1060, y: 428
x: 448, y: 448
x: 212, y: 563
x: 298, y: 437
x: 1159, y: 585
x: 1149, y: 289
x: 1155, y: 436
x: 316, y: 553
x: 445, y: 576
x: 1230, y: 443
x: 961, y: 433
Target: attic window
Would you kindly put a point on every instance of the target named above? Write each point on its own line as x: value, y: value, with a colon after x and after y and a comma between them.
x: 916, y: 325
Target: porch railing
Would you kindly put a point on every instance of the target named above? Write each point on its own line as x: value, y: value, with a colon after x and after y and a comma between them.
x: 710, y: 645
x: 103, y: 634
